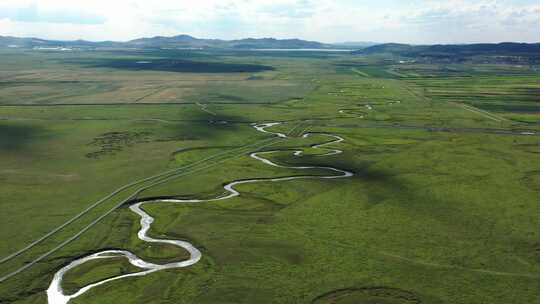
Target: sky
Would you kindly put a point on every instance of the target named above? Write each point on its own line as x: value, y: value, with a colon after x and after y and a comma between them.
x: 405, y: 21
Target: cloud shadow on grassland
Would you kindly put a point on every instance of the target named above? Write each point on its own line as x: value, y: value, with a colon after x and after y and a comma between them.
x: 17, y: 137
x: 176, y: 65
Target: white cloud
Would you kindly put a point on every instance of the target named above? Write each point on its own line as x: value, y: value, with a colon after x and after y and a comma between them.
x: 416, y: 21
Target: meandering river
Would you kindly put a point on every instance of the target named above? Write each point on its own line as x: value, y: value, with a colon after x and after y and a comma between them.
x: 56, y: 294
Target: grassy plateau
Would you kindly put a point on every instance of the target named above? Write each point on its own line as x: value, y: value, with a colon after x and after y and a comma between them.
x: 443, y: 206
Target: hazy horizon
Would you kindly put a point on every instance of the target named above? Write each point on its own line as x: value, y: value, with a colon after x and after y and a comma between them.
x: 271, y: 37
x: 414, y: 22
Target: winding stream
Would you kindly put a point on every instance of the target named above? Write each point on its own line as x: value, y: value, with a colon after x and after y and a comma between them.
x: 337, y: 139
x: 55, y: 293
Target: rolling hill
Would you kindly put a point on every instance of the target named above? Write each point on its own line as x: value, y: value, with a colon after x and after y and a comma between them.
x: 502, y: 49
x: 180, y: 41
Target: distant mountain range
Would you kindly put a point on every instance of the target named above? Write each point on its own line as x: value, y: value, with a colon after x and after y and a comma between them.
x: 356, y: 44
x: 440, y: 50
x: 365, y: 48
x: 176, y: 42
x: 6, y: 41
x: 250, y: 43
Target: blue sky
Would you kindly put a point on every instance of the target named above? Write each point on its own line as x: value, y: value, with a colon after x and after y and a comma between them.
x: 414, y: 21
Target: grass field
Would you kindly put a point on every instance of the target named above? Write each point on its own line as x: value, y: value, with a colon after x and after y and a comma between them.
x: 443, y: 206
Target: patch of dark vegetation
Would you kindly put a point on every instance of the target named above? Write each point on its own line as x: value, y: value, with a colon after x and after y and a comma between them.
x: 22, y: 295
x: 532, y: 180
x: 179, y: 65
x: 529, y: 148
x: 368, y: 295
x: 510, y: 108
x: 351, y: 64
x: 16, y: 137
x: 112, y: 142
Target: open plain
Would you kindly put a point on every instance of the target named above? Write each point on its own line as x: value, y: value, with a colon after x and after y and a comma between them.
x: 277, y: 177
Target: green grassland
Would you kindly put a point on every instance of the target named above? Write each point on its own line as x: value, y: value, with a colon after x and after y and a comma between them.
x: 443, y: 207
x: 511, y: 89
